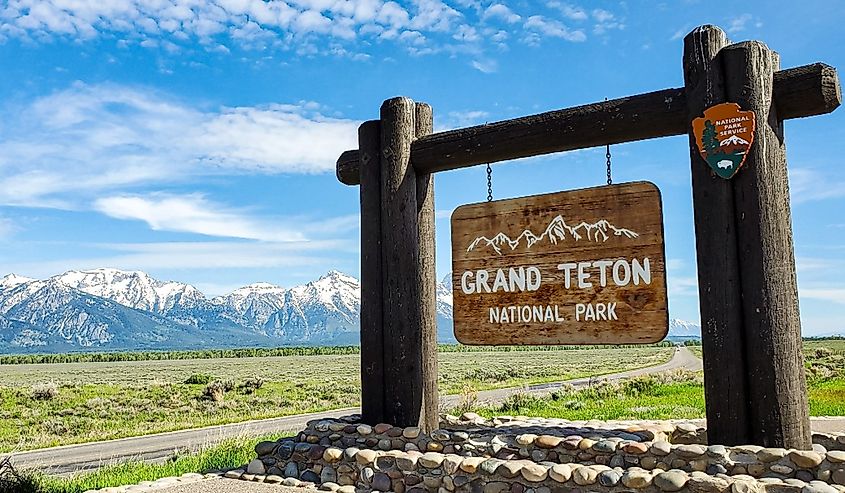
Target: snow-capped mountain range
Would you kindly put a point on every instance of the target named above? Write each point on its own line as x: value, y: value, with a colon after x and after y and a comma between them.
x: 111, y: 310
x: 557, y: 230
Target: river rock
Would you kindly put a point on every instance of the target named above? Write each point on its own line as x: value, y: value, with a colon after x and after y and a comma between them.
x: 364, y: 430
x: 255, y: 467
x: 431, y: 460
x: 690, y: 451
x: 535, y: 472
x: 411, y: 432
x: 407, y: 462
x: 584, y: 475
x: 265, y: 448
x: 610, y: 478
x: 661, y: 448
x: 526, y: 439
x: 451, y: 463
x: 470, y: 464
x: 489, y: 466
x: 771, y: 454
x: 332, y: 454
x: 781, y: 469
x: 818, y: 487
x: 560, y: 472
x: 547, y: 441
x: 328, y: 475
x: 381, y: 482
x: 496, y: 487
x: 635, y: 448
x: 291, y: 471
x: 309, y: 477
x: 672, y: 480
x: 604, y: 447
x: 366, y: 456
x: 805, y: 459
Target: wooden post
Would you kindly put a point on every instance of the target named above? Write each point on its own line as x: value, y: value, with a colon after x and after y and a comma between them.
x: 430, y: 419
x: 372, y: 345
x: 402, y: 314
x: 720, y: 300
x: 772, y: 327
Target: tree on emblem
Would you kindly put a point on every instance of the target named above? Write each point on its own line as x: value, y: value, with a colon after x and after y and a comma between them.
x: 709, y: 141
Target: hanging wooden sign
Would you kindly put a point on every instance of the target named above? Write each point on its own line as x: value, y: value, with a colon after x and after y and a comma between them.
x: 578, y: 267
x: 724, y: 136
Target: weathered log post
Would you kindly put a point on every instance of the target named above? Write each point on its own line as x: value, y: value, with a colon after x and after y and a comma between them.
x: 372, y: 336
x: 430, y: 419
x: 720, y: 300
x: 405, y: 312
x: 777, y: 389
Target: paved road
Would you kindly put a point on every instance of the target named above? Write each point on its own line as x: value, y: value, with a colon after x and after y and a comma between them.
x: 151, y: 448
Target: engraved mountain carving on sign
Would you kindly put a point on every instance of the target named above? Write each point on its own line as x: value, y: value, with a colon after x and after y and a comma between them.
x: 557, y: 230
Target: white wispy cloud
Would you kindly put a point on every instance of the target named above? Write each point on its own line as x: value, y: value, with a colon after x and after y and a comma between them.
x: 458, y: 119
x: 193, y: 214
x: 605, y: 21
x: 102, y: 138
x: 486, y: 66
x: 501, y: 11
x: 570, y: 11
x: 830, y: 294
x: 7, y: 228
x: 808, y: 184
x: 344, y: 28
x: 321, y: 255
x: 740, y: 23
x: 538, y: 24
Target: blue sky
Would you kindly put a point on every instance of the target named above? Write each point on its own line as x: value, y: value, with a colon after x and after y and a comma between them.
x: 196, y: 139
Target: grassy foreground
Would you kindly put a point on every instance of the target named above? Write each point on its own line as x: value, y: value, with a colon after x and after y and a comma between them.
x: 678, y: 395
x: 43, y: 405
x: 220, y: 457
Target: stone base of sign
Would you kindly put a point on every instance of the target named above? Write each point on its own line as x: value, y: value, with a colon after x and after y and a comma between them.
x: 531, y: 455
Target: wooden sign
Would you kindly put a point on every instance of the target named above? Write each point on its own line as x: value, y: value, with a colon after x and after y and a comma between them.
x: 578, y: 267
x: 724, y: 136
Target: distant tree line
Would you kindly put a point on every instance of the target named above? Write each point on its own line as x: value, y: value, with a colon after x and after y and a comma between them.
x: 109, y: 357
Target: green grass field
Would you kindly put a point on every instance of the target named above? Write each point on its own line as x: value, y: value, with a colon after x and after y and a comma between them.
x: 98, y: 401
x: 679, y: 395
x: 219, y: 457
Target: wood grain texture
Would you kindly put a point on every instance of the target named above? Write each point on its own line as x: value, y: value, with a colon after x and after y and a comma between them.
x: 808, y: 90
x: 402, y: 315
x: 719, y: 287
x: 430, y: 418
x: 372, y: 345
x: 799, y: 92
x: 348, y: 167
x: 641, y: 310
x: 779, y: 413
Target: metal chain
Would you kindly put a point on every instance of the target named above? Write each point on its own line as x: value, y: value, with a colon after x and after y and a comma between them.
x: 489, y: 183
x: 607, y: 155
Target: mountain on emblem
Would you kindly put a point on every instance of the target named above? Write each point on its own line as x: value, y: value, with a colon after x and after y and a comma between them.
x: 724, y: 136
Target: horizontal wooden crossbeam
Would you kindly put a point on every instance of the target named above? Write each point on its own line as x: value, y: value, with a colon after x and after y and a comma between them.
x: 798, y: 92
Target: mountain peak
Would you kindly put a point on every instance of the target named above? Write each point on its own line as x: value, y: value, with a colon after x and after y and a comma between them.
x: 12, y: 280
x: 336, y: 275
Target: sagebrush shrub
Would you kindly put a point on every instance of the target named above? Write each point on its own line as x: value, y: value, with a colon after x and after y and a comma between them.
x: 214, y: 391
x: 45, y: 391
x: 199, y: 378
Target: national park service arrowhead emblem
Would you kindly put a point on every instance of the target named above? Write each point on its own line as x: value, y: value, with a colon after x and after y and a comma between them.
x: 724, y: 136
